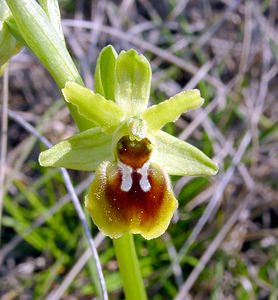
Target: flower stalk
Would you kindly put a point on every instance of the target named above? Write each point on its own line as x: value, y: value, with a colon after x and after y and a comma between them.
x: 129, y: 266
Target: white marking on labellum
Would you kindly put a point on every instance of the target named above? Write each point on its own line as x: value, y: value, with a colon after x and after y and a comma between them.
x: 127, y: 181
x: 144, y: 181
x: 126, y: 176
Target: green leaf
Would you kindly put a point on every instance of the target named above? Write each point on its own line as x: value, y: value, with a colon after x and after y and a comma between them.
x: 51, y: 7
x: 94, y: 107
x: 132, y: 82
x: 105, y: 73
x: 83, y: 151
x: 4, y: 11
x: 9, y: 46
x: 168, y: 111
x: 10, y: 22
x: 180, y: 158
x: 42, y: 38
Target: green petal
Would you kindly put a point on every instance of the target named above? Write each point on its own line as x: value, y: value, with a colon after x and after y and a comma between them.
x: 168, y: 111
x: 180, y: 158
x: 94, y: 107
x: 132, y: 82
x: 84, y: 151
x: 105, y: 73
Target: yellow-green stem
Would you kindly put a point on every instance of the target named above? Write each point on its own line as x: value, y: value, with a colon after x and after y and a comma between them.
x: 129, y: 268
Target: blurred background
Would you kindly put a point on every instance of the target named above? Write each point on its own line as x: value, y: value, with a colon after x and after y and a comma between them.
x: 222, y: 242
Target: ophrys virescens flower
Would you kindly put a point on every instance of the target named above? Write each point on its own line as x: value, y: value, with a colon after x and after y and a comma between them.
x: 132, y: 157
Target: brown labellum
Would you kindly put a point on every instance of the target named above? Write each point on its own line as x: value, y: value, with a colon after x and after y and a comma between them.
x: 116, y: 211
x: 136, y: 203
x: 131, y: 195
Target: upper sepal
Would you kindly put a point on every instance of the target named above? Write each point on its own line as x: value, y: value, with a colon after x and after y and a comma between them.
x: 132, y: 82
x: 105, y: 73
x: 83, y: 151
x: 180, y: 158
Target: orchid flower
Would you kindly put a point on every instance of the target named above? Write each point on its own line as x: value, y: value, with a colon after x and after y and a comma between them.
x: 130, y: 154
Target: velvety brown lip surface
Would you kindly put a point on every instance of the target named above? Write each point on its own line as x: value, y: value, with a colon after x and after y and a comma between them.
x: 134, y: 153
x: 136, y: 204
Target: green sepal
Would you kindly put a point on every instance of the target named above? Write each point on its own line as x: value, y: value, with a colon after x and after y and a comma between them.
x: 180, y: 158
x: 132, y: 82
x: 83, y: 151
x: 168, y: 111
x: 105, y: 73
x: 94, y: 107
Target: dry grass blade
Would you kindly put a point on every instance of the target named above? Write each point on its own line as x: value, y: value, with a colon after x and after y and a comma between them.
x: 4, y: 132
x: 211, y: 31
x: 164, y: 54
x: 183, y: 293
x: 214, y: 202
x: 177, y: 271
x: 15, y: 241
x: 75, y: 201
x: 59, y: 292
